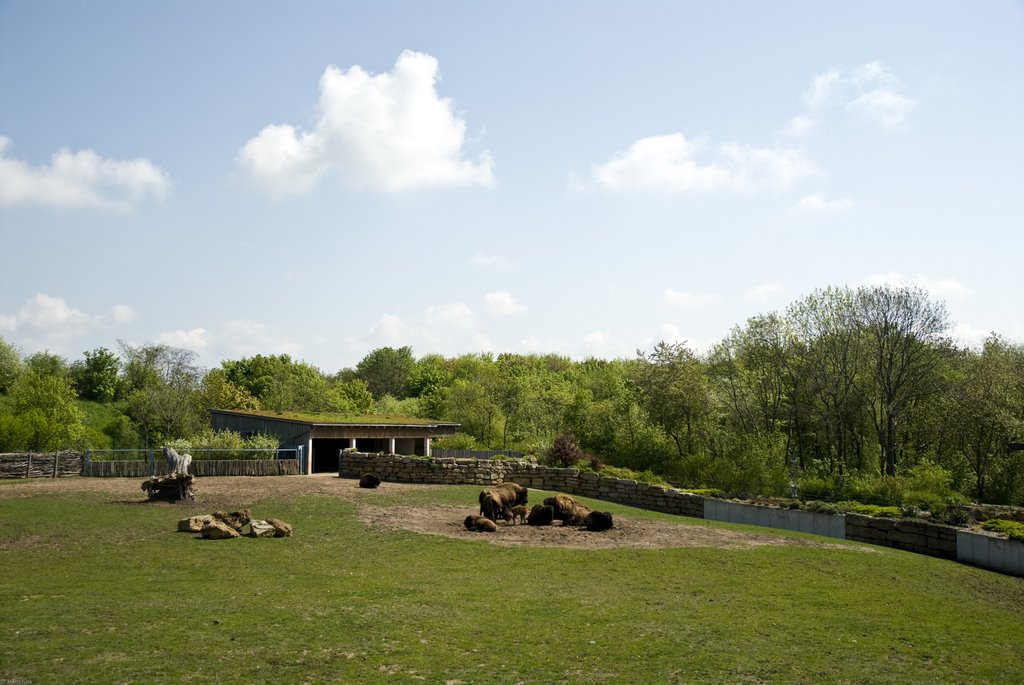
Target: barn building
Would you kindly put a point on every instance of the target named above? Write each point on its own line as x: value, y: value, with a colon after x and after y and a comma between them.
x: 320, y: 438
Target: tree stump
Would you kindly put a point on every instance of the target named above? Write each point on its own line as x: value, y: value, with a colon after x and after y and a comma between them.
x: 174, y: 488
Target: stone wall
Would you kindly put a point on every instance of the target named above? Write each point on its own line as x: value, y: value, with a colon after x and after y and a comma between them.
x: 932, y: 539
x: 448, y: 471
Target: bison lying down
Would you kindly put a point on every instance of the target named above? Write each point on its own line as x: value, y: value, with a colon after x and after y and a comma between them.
x: 497, y: 502
x: 369, y: 481
x: 480, y: 524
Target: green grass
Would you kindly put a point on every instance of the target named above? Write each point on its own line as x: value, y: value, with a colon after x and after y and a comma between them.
x: 93, y: 591
x: 362, y: 419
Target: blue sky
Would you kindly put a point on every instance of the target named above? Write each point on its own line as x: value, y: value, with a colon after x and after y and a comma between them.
x: 585, y: 178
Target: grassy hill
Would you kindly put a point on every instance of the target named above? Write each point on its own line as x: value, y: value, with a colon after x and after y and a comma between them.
x: 98, y: 589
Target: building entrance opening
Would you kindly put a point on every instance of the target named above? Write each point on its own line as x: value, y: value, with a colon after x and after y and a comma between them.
x: 325, y: 454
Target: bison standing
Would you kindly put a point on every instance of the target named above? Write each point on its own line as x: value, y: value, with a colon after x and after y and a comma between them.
x: 498, y: 501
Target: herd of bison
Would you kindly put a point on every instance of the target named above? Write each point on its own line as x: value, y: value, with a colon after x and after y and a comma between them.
x: 507, y: 502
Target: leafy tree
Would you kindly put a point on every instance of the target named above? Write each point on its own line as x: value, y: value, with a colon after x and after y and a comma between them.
x: 45, y: 405
x: 96, y: 377
x: 386, y: 371
x: 675, y: 392
x: 905, y: 339
x: 162, y: 391
x: 11, y: 365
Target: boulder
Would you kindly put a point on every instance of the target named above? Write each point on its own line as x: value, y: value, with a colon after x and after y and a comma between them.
x: 236, y: 519
x: 194, y: 524
x: 216, y: 530
x: 261, y: 529
x: 281, y: 529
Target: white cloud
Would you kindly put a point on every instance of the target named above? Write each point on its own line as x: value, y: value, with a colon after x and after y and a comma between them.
x: 818, y: 204
x: 458, y: 315
x: 388, y: 132
x: 688, y: 300
x: 969, y: 336
x: 670, y: 163
x: 122, y: 313
x: 937, y: 287
x: 490, y: 261
x: 884, y: 106
x: 534, y: 345
x: 501, y: 303
x: 48, y: 322
x: 79, y: 180
x: 670, y: 333
x: 194, y: 339
x: 801, y: 125
x: 870, y: 89
x: 766, y: 291
x: 245, y: 338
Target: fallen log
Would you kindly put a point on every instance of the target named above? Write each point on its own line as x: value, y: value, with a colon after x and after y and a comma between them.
x: 174, y: 488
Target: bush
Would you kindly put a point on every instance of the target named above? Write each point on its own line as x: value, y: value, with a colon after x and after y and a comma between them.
x: 1011, y: 529
x: 566, y: 454
x: 459, y: 441
x: 647, y: 476
x: 225, y: 444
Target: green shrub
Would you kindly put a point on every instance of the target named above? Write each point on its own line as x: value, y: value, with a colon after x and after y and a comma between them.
x: 226, y: 444
x: 871, y: 509
x: 647, y: 476
x: 459, y: 441
x: 706, y: 492
x: 1011, y: 529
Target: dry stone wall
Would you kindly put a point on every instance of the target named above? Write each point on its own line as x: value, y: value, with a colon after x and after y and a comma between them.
x: 932, y: 539
x: 451, y: 471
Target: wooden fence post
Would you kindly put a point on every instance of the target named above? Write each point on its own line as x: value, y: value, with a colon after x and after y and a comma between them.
x: 28, y: 466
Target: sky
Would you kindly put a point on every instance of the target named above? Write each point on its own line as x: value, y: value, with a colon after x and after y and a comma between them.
x: 580, y: 178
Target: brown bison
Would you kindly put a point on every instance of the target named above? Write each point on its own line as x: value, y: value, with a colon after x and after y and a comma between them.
x: 562, y: 504
x: 519, y: 513
x: 369, y: 481
x: 498, y: 501
x: 598, y: 520
x: 578, y: 516
x: 480, y: 524
x: 541, y: 515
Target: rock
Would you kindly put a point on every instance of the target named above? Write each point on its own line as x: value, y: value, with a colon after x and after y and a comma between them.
x: 217, y: 530
x: 194, y: 524
x: 281, y: 529
x: 236, y: 519
x: 261, y: 529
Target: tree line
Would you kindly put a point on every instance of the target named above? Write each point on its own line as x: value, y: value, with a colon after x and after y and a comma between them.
x: 848, y: 392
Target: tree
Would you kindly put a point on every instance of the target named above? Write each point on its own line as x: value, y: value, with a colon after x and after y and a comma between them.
x: 161, y: 389
x: 386, y: 371
x: 44, y: 403
x: 905, y: 338
x: 11, y: 365
x: 987, y: 416
x: 96, y: 377
x: 675, y: 392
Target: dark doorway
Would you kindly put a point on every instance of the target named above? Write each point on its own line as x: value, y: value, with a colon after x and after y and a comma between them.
x: 325, y: 454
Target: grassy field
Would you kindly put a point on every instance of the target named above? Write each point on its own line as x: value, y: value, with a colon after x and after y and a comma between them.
x: 96, y: 591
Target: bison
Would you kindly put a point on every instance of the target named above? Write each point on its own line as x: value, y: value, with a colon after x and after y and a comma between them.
x: 562, y: 504
x: 498, y: 500
x: 369, y: 481
x: 598, y: 520
x: 480, y: 524
x: 519, y: 513
x: 541, y: 515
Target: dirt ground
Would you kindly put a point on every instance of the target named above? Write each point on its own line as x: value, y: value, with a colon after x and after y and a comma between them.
x: 445, y: 520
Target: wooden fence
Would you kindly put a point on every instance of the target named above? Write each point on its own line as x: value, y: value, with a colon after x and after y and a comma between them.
x: 35, y: 465
x: 201, y: 467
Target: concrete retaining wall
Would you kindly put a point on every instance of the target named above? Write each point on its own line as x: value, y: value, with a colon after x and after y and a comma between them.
x: 827, y: 525
x: 988, y: 551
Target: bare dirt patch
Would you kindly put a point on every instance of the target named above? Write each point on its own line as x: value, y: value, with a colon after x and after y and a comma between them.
x: 444, y: 520
x: 447, y: 521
